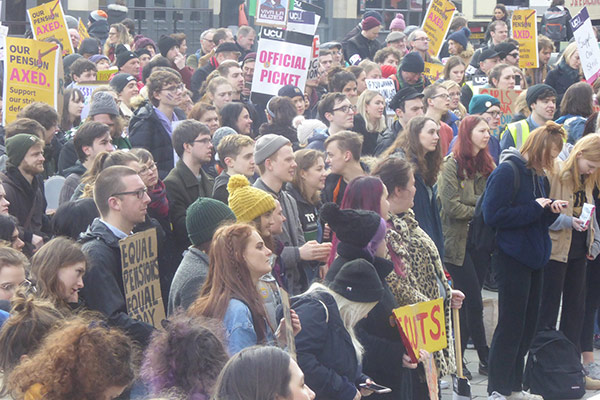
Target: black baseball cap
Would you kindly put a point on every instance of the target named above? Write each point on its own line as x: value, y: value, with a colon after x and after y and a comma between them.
x: 403, y: 95
x: 487, y: 54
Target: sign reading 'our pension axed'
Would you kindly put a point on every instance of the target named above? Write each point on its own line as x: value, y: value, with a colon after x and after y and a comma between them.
x: 141, y: 281
x: 422, y: 327
x: 524, y: 30
x: 437, y: 23
x: 30, y: 75
x: 48, y: 21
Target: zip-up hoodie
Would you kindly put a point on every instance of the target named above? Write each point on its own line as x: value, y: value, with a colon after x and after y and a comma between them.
x: 522, y: 227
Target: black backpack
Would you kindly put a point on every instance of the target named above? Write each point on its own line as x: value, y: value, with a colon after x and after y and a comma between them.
x: 553, y: 368
x: 554, y: 25
x: 482, y: 237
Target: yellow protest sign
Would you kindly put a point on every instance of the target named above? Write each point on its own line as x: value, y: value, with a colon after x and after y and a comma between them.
x: 422, y: 327
x: 48, y: 21
x: 82, y: 29
x: 30, y: 75
x: 436, y: 24
x: 433, y: 71
x: 524, y: 29
x: 508, y: 105
x: 141, y: 281
x: 104, y: 76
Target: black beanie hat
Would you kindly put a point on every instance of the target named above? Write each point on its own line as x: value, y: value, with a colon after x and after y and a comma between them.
x: 413, y: 62
x: 534, y: 92
x: 358, y: 281
x: 123, y: 55
x: 166, y: 43
x: 355, y: 227
x: 120, y: 80
x: 89, y: 46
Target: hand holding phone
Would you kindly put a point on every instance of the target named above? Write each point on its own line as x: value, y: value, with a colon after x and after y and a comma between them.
x: 373, y: 387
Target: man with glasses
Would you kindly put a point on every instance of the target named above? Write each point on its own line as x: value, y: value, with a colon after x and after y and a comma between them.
x: 188, y: 181
x: 418, y: 41
x: 23, y: 182
x: 509, y: 53
x: 436, y: 101
x: 206, y: 46
x: 152, y: 126
x: 122, y: 200
x: 335, y: 111
x: 90, y: 139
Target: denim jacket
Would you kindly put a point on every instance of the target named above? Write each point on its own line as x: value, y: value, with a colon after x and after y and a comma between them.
x: 240, y: 327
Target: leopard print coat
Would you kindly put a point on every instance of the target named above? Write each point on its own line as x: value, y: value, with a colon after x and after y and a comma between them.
x: 424, y: 275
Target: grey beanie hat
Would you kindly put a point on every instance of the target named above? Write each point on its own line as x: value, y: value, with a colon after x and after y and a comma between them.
x: 267, y: 145
x: 103, y: 103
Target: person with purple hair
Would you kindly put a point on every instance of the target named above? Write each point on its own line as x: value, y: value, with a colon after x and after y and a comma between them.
x: 360, y: 234
x: 185, y: 358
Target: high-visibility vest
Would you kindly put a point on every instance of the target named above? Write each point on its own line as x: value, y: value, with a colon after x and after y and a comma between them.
x: 519, y: 131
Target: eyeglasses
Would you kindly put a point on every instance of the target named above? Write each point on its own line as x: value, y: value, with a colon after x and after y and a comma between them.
x: 137, y: 193
x: 514, y: 55
x: 425, y: 39
x: 175, y: 88
x: 11, y: 287
x: 147, y: 169
x: 457, y: 94
x: 446, y: 96
x: 494, y: 114
x: 345, y: 109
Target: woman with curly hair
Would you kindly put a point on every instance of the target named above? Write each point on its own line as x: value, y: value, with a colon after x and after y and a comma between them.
x: 238, y: 259
x: 186, y: 357
x: 419, y: 144
x: 57, y: 269
x: 344, y: 82
x: 117, y: 35
x: 80, y: 360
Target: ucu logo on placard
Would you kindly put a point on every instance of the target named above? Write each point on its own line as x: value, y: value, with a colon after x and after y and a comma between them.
x: 272, y: 33
x: 295, y: 16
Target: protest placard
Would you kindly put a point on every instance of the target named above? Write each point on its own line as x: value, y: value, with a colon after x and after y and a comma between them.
x: 524, y: 30
x: 589, y: 53
x: 48, y: 21
x: 575, y: 6
x: 313, y: 68
x: 303, y: 22
x: 422, y: 326
x: 30, y: 74
x: 3, y: 34
x: 87, y: 89
x: 82, y: 29
x: 433, y: 71
x: 436, y: 24
x: 508, y: 105
x: 387, y: 89
x: 431, y: 376
x: 272, y: 13
x: 104, y: 76
x: 141, y: 281
x: 280, y: 62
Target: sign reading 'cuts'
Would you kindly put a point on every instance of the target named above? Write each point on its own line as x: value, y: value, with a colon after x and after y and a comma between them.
x: 422, y: 327
x: 278, y: 64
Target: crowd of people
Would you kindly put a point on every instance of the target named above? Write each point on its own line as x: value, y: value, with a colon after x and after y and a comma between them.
x: 317, y: 192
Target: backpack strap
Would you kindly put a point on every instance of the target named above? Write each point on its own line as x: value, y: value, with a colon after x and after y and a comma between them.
x: 516, y: 179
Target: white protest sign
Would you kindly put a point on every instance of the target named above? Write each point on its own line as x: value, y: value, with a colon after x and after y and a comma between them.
x: 313, y: 69
x: 272, y: 13
x: 3, y: 34
x: 278, y: 64
x: 387, y: 89
x: 303, y: 22
x: 587, y: 45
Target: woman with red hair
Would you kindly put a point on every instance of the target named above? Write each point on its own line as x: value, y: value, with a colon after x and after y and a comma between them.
x: 462, y: 180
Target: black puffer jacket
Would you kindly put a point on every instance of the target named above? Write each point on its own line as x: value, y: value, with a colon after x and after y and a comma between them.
x: 103, y: 282
x: 381, y: 340
x: 146, y: 131
x: 324, y: 348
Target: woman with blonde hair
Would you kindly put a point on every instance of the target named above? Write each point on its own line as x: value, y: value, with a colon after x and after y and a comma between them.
x: 369, y: 120
x: 574, y: 239
x: 218, y: 92
x: 521, y: 217
x: 117, y: 35
x: 566, y: 73
x: 457, y: 111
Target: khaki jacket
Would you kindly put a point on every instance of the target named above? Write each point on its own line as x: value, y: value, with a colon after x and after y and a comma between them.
x: 457, y: 199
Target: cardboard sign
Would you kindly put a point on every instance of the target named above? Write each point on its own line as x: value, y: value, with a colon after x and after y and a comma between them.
x: 437, y: 23
x: 387, y: 89
x: 433, y: 71
x: 508, y: 103
x: 303, y: 22
x: 87, y: 89
x: 575, y: 6
x: 272, y: 13
x: 48, y: 21
x: 280, y: 63
x: 524, y: 29
x: 431, y: 375
x: 82, y: 29
x: 422, y: 326
x: 30, y: 75
x: 587, y: 45
x: 141, y: 281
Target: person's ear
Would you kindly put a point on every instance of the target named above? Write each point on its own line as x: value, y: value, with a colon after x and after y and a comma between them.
x: 87, y: 150
x: 187, y: 147
x: 347, y: 155
x: 228, y: 161
x: 329, y: 116
x: 114, y: 203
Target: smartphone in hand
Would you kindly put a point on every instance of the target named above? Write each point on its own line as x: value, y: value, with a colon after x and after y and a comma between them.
x: 375, y: 388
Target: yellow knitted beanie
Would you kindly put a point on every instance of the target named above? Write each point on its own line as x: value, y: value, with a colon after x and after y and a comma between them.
x: 247, y: 202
